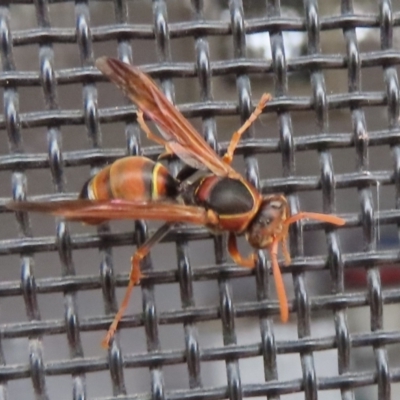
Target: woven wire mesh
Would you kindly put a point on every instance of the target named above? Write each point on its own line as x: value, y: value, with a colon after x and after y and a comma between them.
x: 199, y: 326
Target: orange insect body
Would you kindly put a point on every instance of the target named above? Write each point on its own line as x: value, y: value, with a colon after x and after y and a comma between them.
x: 137, y: 188
x: 131, y: 178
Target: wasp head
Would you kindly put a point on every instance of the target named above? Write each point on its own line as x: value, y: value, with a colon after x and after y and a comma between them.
x: 269, y: 223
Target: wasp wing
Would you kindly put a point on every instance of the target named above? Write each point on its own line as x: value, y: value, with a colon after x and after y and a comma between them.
x: 96, y: 211
x: 182, y: 137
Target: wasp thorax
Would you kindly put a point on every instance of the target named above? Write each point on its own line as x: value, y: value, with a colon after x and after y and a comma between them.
x: 268, y: 224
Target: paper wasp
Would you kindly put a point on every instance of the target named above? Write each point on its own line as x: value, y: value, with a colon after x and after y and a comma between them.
x: 138, y: 188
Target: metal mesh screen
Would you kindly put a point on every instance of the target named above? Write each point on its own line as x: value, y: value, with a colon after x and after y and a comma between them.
x: 199, y: 326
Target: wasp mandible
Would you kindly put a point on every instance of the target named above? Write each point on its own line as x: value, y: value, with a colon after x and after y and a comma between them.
x: 221, y: 198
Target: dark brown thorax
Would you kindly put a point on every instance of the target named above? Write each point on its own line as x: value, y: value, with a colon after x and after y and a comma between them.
x: 235, y: 201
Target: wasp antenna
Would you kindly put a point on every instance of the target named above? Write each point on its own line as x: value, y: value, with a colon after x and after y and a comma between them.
x: 331, y: 219
x: 378, y: 227
x: 285, y: 251
x: 280, y: 287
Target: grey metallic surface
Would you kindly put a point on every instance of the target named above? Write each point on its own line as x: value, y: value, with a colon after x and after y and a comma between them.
x: 200, y: 327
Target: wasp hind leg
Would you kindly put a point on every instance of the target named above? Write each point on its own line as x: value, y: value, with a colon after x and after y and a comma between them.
x: 134, y: 278
x: 228, y: 157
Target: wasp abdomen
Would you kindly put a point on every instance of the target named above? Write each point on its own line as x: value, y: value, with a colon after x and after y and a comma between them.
x: 131, y: 178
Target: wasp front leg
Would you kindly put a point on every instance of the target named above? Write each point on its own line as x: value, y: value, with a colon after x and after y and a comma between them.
x: 248, y: 262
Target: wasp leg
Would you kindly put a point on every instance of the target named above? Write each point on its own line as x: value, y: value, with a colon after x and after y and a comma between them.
x: 280, y: 287
x: 134, y: 278
x: 248, y: 262
x: 151, y: 136
x: 166, y: 155
x: 147, y: 130
x: 227, y: 158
